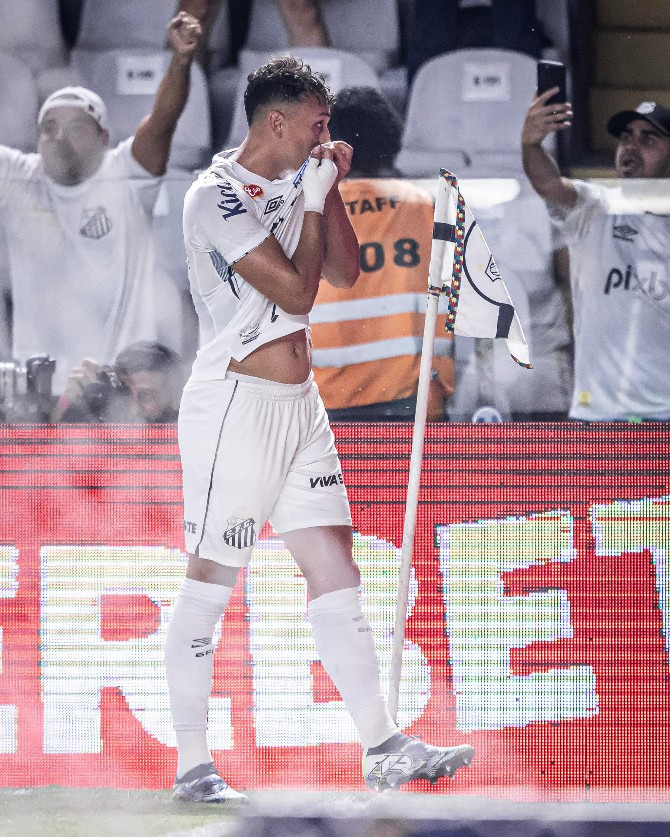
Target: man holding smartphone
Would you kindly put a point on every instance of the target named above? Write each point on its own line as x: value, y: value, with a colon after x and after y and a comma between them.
x: 620, y: 279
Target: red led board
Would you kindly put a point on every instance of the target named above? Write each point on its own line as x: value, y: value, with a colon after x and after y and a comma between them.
x: 538, y: 621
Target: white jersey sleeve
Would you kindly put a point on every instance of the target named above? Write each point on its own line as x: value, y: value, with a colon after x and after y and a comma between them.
x: 574, y: 223
x: 221, y: 218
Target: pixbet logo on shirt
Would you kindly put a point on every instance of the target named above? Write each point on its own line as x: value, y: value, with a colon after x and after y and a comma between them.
x: 629, y: 279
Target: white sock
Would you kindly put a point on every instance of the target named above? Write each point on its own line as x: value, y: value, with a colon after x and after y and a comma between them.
x: 346, y: 647
x: 189, y: 664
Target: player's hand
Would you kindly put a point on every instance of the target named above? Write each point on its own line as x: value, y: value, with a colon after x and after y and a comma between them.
x: 319, y: 175
x: 184, y: 33
x: 340, y: 152
x: 543, y: 119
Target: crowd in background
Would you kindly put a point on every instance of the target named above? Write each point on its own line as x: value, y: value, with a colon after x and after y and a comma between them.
x: 99, y: 323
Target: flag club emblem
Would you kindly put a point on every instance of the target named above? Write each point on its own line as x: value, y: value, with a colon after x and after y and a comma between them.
x: 253, y: 190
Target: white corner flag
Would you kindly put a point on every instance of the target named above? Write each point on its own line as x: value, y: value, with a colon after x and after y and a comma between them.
x: 462, y: 266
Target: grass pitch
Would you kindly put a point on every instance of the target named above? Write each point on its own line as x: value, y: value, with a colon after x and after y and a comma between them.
x: 104, y: 812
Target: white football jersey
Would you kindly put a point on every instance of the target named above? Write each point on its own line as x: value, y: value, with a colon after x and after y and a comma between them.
x: 228, y: 212
x: 621, y: 299
x: 83, y: 264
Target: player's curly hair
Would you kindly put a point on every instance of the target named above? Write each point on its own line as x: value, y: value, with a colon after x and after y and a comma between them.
x: 284, y: 79
x: 365, y: 119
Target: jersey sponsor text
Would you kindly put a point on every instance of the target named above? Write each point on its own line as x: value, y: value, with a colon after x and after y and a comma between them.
x: 230, y: 204
x: 328, y: 480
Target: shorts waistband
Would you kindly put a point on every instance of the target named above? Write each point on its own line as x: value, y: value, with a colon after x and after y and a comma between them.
x: 263, y: 388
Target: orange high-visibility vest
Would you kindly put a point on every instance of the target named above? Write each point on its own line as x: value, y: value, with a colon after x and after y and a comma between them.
x: 367, y: 339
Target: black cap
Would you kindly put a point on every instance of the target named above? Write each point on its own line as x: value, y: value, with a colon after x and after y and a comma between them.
x: 654, y: 114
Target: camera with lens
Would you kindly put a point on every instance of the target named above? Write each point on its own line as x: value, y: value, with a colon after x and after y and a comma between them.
x: 100, y: 395
x: 26, y: 389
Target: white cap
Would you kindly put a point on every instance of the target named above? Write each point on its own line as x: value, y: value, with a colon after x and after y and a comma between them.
x: 77, y: 97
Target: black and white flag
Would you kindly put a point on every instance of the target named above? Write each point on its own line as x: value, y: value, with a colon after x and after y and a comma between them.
x: 461, y: 264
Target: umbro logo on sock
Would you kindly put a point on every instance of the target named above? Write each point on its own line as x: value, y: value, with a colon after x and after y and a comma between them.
x: 201, y: 643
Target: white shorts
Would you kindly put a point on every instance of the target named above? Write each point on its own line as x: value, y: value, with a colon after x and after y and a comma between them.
x: 253, y: 450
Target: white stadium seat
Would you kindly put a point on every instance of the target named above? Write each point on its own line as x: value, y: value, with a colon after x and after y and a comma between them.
x: 18, y: 104
x: 465, y: 113
x: 369, y: 29
x: 31, y: 31
x: 132, y: 24
x: 124, y: 24
x: 128, y: 80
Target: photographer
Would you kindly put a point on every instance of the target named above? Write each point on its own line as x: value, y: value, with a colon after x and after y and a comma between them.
x: 25, y: 390
x: 143, y: 387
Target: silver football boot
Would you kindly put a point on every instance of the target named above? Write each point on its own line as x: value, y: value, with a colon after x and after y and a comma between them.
x: 403, y: 758
x: 204, y: 784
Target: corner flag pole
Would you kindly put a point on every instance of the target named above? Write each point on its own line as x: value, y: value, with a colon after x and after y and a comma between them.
x: 442, y: 249
x: 485, y: 309
x: 412, y: 501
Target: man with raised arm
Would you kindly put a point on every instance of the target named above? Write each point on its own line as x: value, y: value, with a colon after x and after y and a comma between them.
x: 261, y: 226
x: 619, y: 239
x: 77, y: 217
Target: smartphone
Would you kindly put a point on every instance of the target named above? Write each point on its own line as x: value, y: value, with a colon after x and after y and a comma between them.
x: 551, y: 74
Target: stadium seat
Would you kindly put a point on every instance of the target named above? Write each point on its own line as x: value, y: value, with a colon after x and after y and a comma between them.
x: 167, y: 224
x: 130, y: 24
x: 339, y: 68
x: 53, y: 79
x: 127, y: 80
x: 124, y: 24
x: 369, y: 29
x: 465, y: 112
x: 349, y: 25
x: 18, y: 104
x: 31, y: 31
